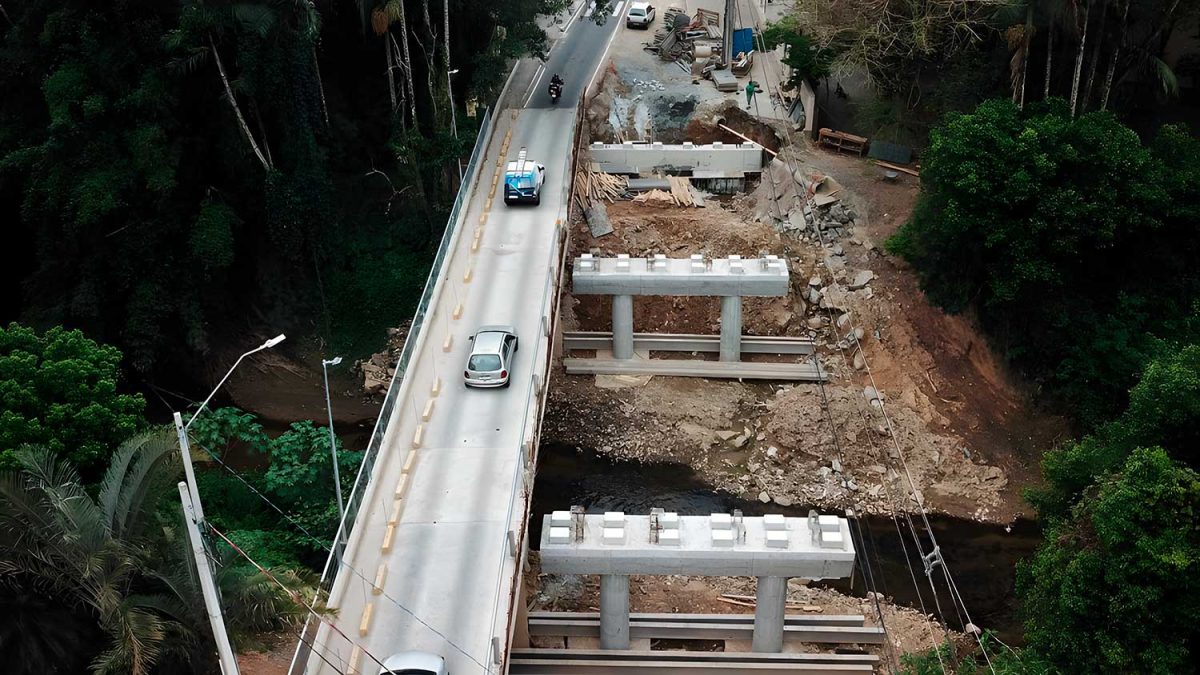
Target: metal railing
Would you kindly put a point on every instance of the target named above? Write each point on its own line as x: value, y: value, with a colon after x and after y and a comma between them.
x: 387, y: 410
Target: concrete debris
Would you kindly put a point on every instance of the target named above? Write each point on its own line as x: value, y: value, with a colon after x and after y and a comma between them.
x: 772, y: 452
x: 861, y: 279
x: 764, y: 497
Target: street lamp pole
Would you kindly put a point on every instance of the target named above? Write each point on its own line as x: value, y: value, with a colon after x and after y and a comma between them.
x: 337, y: 481
x: 189, y: 495
x: 453, y: 118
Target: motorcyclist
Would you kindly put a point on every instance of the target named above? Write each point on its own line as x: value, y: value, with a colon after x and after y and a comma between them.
x: 555, y: 79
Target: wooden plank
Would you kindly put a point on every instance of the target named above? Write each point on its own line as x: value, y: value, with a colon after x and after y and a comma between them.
x: 897, y: 167
x: 749, y: 140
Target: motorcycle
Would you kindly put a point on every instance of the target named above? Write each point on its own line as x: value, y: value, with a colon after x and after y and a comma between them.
x: 555, y: 91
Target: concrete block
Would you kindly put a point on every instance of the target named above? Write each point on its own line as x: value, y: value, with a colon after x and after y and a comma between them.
x: 560, y: 535
x: 427, y: 411
x: 614, y: 519
x: 364, y: 624
x: 777, y: 539
x: 388, y: 536
x: 410, y: 462
x: 832, y: 540
x: 720, y: 521
x: 829, y: 523
x: 401, y: 486
x: 774, y: 521
x: 380, y: 579
x: 669, y: 520
x: 436, y: 387
x: 722, y: 537
x: 418, y: 436
x: 614, y: 535
x: 560, y: 519
x: 669, y: 538
x: 355, y: 665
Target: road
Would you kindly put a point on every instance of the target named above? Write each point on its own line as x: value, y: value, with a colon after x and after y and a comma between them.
x: 447, y: 576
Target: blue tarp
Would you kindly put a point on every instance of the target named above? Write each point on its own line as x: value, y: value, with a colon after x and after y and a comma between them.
x: 743, y: 42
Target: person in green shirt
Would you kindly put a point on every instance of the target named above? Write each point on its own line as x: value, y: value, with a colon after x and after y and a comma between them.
x: 751, y: 90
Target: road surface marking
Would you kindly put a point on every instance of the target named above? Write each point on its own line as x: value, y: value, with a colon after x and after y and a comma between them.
x: 380, y: 578
x: 365, y: 625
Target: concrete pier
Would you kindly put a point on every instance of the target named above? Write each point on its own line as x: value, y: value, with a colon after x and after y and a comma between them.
x: 622, y: 324
x: 731, y: 328
x: 614, y: 612
x: 768, y: 614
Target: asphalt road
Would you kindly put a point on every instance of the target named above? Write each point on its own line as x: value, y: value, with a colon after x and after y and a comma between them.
x: 447, y: 576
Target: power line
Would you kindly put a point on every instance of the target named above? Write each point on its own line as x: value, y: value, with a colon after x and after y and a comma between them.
x: 340, y: 560
x: 935, y: 555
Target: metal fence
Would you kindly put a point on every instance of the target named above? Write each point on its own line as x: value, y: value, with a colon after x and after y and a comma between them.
x: 387, y: 411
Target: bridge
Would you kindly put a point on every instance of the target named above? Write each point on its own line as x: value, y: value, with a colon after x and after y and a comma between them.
x: 432, y: 560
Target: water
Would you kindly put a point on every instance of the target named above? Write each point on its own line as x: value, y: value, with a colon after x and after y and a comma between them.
x: 981, y: 557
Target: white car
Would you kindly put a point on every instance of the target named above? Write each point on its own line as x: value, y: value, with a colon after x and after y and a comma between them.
x: 490, y: 362
x: 640, y: 15
x: 414, y: 663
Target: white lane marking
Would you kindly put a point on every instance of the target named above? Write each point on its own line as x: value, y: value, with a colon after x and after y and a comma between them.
x: 617, y: 7
x: 537, y: 79
x: 573, y: 18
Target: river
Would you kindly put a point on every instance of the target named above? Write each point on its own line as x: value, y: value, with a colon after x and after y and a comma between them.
x: 982, y: 557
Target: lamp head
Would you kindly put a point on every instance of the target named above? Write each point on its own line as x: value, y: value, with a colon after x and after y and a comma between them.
x: 274, y: 341
x: 332, y: 362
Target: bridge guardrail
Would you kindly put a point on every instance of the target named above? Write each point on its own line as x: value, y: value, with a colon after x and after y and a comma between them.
x: 387, y: 410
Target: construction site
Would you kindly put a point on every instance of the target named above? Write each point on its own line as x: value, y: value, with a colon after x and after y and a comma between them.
x: 849, y: 393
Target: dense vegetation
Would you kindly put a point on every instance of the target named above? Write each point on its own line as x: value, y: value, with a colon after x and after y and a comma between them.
x: 59, y: 391
x: 166, y: 168
x: 1073, y: 240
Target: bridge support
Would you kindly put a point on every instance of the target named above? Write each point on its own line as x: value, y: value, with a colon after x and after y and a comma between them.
x: 622, y: 323
x: 614, y: 611
x: 770, y: 603
x: 731, y: 328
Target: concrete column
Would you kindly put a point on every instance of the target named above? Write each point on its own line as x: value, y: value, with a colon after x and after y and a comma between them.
x: 768, y: 614
x: 521, y: 629
x: 731, y: 328
x: 614, y: 611
x: 622, y: 326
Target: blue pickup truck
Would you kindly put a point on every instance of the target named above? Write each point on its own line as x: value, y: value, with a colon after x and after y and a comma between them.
x: 523, y: 181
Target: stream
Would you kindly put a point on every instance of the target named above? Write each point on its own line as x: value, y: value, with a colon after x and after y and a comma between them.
x: 982, y: 557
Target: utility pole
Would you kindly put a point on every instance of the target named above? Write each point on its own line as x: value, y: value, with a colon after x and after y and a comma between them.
x: 208, y: 587
x: 189, y: 474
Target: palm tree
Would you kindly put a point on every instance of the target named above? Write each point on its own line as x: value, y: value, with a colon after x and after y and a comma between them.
x: 119, y: 563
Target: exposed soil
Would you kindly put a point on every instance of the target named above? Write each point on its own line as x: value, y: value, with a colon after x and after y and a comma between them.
x: 908, y: 629
x: 956, y: 420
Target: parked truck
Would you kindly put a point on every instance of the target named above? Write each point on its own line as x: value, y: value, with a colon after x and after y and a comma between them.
x: 523, y: 181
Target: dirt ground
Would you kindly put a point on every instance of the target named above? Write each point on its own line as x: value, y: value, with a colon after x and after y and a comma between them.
x: 908, y: 629
x: 956, y: 421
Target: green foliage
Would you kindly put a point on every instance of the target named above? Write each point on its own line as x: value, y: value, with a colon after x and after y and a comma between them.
x: 58, y: 390
x: 807, y: 59
x: 1072, y: 239
x: 1107, y: 589
x: 1164, y: 410
x: 212, y: 239
x: 1000, y: 660
x: 219, y: 430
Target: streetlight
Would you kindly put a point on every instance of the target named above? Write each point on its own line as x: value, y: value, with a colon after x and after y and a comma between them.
x: 337, y: 481
x: 454, y: 119
x: 193, y: 515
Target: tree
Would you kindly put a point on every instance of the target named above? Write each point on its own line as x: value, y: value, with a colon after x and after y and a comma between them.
x: 807, y: 60
x: 119, y: 562
x: 1106, y: 590
x: 60, y: 392
x: 1069, y: 237
x: 1164, y: 411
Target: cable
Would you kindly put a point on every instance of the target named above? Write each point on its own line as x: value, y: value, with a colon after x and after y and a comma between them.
x: 912, y: 485
x: 340, y: 560
x: 293, y: 594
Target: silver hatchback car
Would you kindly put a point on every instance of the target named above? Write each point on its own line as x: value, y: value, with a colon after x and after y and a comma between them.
x: 413, y: 663
x: 490, y: 362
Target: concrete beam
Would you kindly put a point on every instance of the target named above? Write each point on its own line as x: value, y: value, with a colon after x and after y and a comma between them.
x: 797, y: 372
x: 685, y: 156
x: 688, y: 342
x: 756, y: 277
x: 702, y: 546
